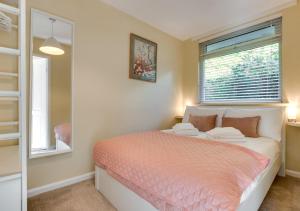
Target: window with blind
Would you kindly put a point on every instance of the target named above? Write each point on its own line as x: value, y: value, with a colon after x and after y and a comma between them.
x: 242, y: 67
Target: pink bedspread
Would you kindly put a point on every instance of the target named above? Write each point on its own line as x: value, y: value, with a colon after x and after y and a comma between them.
x: 63, y: 132
x: 180, y: 173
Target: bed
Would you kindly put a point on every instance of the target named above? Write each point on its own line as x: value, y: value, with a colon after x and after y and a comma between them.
x: 271, y: 144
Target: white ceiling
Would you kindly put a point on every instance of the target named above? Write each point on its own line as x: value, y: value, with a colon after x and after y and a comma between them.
x: 198, y: 18
x: 41, y: 28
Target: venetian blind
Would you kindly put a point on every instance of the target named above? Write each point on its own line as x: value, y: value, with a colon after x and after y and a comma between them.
x: 244, y: 66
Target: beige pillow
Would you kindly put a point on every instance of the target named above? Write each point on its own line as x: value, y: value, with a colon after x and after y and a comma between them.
x: 203, y: 123
x: 247, y: 125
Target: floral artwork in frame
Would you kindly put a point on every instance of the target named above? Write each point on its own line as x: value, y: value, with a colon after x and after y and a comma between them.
x: 143, y: 59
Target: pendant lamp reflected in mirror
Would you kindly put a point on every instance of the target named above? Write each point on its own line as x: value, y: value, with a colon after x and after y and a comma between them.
x: 51, y: 45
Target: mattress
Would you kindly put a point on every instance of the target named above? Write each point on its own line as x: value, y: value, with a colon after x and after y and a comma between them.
x: 263, y: 145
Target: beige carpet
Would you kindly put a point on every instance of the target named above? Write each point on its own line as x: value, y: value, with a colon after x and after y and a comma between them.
x: 79, y: 197
x: 284, y: 195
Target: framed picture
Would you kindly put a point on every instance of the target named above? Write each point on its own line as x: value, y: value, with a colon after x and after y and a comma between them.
x: 143, y: 59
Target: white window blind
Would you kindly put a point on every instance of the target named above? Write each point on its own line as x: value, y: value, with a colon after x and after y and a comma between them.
x: 244, y: 66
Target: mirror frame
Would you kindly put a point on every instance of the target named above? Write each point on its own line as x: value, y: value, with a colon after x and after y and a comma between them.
x: 46, y: 154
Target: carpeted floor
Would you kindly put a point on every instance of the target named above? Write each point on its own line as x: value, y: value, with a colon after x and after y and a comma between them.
x: 79, y: 197
x: 284, y: 195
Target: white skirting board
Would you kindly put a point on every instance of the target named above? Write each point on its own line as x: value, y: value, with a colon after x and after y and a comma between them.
x: 56, y: 185
x: 293, y: 173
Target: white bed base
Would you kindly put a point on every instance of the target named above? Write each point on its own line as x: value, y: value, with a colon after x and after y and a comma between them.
x: 125, y: 199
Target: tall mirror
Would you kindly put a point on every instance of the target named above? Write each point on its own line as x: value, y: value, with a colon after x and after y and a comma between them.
x: 51, y: 85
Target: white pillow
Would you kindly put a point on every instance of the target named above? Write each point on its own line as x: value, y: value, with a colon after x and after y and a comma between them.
x: 183, y: 126
x: 204, y: 111
x: 225, y: 133
x: 189, y: 132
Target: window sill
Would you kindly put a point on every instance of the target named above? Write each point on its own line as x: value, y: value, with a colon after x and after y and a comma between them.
x: 279, y: 104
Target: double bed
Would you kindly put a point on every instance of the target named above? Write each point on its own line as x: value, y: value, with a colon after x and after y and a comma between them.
x: 270, y: 144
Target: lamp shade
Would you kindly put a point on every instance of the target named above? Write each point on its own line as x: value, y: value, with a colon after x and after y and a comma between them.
x: 292, y: 112
x: 51, y: 46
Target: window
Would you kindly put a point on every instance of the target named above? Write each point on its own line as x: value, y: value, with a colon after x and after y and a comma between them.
x: 39, y: 118
x: 242, y: 67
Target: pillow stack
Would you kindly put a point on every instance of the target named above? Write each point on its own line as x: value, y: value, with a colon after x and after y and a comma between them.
x: 185, y: 129
x: 225, y: 133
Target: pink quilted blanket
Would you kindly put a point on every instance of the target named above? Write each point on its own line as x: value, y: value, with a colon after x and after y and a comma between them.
x: 180, y: 173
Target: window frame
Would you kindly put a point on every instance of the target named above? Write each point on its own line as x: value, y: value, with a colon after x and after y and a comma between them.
x: 48, y: 101
x: 246, y: 45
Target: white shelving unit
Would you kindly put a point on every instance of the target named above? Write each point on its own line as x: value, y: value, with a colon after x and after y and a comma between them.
x: 9, y: 9
x: 12, y: 123
x: 9, y: 136
x: 10, y: 51
x: 10, y: 183
x: 9, y: 94
x: 5, y: 74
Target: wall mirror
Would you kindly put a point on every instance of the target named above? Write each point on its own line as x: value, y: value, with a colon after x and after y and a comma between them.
x: 51, y: 60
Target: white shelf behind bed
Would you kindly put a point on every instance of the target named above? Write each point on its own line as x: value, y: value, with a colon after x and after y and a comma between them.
x: 294, y: 124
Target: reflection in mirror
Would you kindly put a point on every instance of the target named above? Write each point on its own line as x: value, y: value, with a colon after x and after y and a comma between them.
x: 51, y: 85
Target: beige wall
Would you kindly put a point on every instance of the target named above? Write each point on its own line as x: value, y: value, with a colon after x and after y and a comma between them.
x: 59, y: 87
x: 106, y: 102
x: 291, y: 79
x: 290, y: 75
x: 190, y: 76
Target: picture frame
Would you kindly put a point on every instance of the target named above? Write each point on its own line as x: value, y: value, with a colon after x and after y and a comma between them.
x: 143, y: 59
